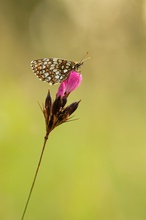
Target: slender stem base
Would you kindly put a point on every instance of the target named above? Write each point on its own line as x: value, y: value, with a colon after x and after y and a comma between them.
x: 35, y: 176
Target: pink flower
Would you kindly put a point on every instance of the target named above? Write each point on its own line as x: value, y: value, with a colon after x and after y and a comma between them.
x: 70, y: 84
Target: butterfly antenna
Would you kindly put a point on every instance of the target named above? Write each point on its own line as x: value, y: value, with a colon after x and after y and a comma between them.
x: 84, y: 59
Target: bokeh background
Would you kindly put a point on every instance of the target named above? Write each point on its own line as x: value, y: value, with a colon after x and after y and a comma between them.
x: 95, y: 167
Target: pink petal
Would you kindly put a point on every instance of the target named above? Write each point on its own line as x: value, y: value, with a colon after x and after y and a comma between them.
x: 73, y: 81
x: 61, y: 90
x: 70, y: 84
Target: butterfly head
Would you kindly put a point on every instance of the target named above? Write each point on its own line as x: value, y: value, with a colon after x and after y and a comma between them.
x: 78, y: 65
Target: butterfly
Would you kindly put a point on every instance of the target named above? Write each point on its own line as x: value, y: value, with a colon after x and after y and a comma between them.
x: 54, y: 70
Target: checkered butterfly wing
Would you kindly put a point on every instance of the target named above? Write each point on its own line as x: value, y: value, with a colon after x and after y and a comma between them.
x: 53, y: 70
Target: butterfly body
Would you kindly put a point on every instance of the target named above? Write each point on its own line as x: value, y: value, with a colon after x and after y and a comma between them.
x: 53, y: 70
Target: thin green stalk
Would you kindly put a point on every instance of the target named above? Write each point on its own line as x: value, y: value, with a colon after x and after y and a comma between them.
x: 35, y: 176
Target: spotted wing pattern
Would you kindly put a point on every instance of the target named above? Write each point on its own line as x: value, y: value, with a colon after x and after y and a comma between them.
x: 52, y: 70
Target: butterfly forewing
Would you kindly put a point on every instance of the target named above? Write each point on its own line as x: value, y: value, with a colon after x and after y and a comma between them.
x: 52, y: 70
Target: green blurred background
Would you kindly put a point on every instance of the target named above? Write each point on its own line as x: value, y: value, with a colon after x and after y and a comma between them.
x: 93, y: 168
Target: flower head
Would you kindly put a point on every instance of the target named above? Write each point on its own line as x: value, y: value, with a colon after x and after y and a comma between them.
x: 56, y: 113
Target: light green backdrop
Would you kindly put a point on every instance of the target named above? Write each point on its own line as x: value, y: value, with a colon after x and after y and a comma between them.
x: 93, y: 168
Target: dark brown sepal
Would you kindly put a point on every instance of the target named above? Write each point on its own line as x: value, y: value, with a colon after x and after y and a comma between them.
x: 56, y: 105
x: 64, y: 101
x: 48, y: 104
x: 72, y: 107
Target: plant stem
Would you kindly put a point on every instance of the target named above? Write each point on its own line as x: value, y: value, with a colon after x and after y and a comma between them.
x: 35, y: 176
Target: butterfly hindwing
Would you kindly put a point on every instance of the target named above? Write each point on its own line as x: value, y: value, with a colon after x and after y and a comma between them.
x: 52, y: 70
